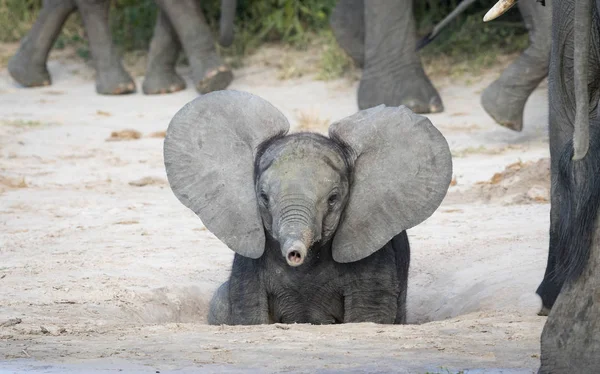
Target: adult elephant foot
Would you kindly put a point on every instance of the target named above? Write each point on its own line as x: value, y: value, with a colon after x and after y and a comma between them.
x: 26, y: 72
x: 215, y: 78
x: 161, y: 77
x: 111, y: 77
x: 114, y: 81
x: 28, y: 65
x: 209, y: 73
x: 505, y: 103
x: 504, y: 100
x: 162, y: 82
x: 407, y: 86
x: 393, y: 74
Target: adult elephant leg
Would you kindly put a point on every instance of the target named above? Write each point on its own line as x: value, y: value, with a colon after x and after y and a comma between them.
x: 161, y: 77
x: 208, y: 70
x: 28, y: 65
x: 393, y: 74
x: 111, y: 77
x: 348, y: 24
x: 504, y: 100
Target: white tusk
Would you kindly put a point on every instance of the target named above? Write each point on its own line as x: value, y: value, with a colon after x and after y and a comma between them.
x: 499, y: 9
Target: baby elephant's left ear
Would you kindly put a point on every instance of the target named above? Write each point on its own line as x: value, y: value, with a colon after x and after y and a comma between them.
x: 402, y: 171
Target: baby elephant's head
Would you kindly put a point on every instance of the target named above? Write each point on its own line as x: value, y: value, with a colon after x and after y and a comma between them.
x: 380, y: 172
x: 302, y: 186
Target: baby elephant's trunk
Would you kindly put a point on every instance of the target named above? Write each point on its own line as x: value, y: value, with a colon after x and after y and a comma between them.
x: 294, y: 252
x: 297, y: 232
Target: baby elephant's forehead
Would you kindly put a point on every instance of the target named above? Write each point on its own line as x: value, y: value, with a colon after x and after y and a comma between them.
x: 303, y: 149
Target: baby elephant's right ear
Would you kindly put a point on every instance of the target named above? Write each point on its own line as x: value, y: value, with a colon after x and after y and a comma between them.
x: 209, y: 153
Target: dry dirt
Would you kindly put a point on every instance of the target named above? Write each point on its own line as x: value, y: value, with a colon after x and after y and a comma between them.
x: 101, y: 268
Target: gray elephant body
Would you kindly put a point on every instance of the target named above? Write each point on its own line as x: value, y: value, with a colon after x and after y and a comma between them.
x: 318, y: 223
x: 570, y: 290
x: 297, y: 174
x: 570, y: 340
x: 322, y: 291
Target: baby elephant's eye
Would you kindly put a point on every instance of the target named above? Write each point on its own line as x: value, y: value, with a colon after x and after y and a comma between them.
x: 264, y: 198
x: 333, y: 199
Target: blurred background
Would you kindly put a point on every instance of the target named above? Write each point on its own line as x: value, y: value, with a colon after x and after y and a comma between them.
x: 300, y: 25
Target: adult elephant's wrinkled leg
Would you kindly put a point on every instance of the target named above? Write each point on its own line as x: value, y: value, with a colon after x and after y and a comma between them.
x: 208, y: 70
x: 161, y: 77
x: 504, y: 100
x: 393, y: 74
x: 111, y: 77
x: 28, y: 65
x: 348, y: 25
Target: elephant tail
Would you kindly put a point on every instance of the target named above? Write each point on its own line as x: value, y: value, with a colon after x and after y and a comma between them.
x: 228, y: 8
x: 578, y: 189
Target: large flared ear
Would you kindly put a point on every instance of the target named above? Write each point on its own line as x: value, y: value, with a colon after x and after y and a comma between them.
x: 402, y: 171
x: 209, y: 152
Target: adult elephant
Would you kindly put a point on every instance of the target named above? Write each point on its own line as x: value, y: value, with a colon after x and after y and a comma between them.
x: 380, y: 36
x: 570, y: 341
x: 180, y: 23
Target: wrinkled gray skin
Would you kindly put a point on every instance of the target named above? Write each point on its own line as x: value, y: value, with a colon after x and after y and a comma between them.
x: 317, y: 223
x: 570, y: 341
x: 380, y: 36
x: 571, y: 337
x: 178, y: 23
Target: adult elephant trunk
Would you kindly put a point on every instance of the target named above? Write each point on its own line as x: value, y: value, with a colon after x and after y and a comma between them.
x: 581, y: 31
x: 296, y: 229
x: 226, y: 23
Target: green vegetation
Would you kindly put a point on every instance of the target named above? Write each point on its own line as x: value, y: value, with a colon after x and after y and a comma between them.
x: 334, y: 63
x: 468, y: 44
x: 296, y: 23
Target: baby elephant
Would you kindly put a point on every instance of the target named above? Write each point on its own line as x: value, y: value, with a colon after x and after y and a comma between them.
x: 317, y: 223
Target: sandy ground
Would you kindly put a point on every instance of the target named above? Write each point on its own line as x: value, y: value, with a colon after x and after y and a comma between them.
x: 102, y: 268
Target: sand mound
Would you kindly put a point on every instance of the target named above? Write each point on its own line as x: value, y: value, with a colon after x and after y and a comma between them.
x: 519, y: 183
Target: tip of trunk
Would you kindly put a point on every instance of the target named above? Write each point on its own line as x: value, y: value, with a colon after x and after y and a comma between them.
x: 295, y: 252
